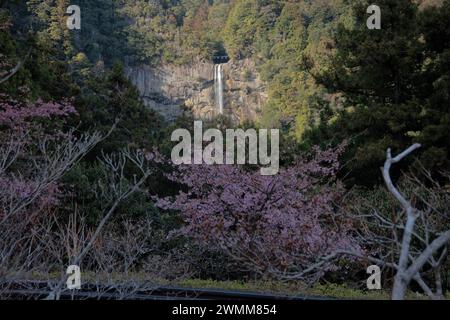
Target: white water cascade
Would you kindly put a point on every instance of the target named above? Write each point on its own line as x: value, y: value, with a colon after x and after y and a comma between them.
x: 218, y: 86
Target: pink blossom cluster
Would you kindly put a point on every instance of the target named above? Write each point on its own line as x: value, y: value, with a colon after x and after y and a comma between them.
x: 276, y: 223
x: 16, y: 115
x: 19, y: 134
x: 18, y: 190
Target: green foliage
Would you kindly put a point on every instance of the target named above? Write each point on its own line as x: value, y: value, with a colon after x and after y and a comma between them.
x: 285, y: 38
x: 393, y: 87
x: 241, y: 28
x: 102, y: 97
x: 102, y: 35
x: 174, y: 31
x: 82, y: 183
x: 40, y: 74
x: 110, y: 97
x: 289, y: 289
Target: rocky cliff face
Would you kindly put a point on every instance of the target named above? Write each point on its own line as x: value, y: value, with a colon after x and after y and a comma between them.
x: 245, y: 92
x: 168, y: 88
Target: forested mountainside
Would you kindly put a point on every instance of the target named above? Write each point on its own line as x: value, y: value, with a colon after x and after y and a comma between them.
x: 295, y: 49
x: 86, y: 118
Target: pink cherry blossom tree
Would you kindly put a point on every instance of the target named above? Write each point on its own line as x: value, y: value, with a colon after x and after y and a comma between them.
x: 281, y: 226
x: 33, y: 158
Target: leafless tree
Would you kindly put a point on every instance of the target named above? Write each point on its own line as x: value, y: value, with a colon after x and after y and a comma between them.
x: 41, y: 171
x: 116, y: 189
x: 412, y: 241
x: 26, y: 182
x: 8, y: 74
x: 410, y: 263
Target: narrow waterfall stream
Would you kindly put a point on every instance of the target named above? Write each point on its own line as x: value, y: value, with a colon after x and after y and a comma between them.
x: 218, y: 86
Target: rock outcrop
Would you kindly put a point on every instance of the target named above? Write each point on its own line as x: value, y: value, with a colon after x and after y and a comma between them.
x: 170, y: 88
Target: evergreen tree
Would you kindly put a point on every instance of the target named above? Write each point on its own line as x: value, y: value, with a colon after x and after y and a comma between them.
x: 387, y: 80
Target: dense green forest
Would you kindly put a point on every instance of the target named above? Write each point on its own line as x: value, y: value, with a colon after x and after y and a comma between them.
x: 340, y: 94
x: 303, y: 51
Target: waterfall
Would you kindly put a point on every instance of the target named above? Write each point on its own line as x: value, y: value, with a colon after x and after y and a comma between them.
x: 218, y: 86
